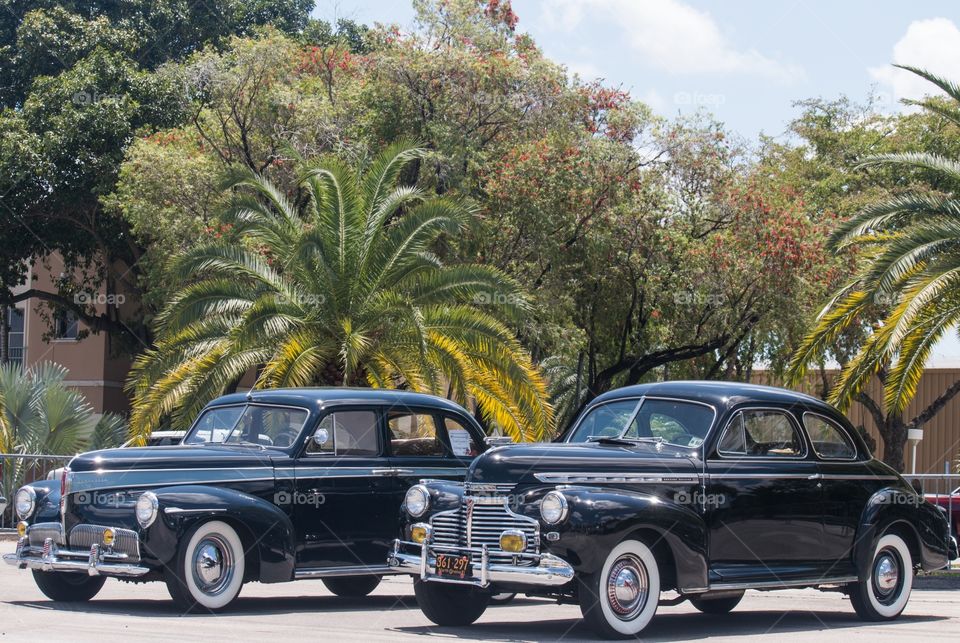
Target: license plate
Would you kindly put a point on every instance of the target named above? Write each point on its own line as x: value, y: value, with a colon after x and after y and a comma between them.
x: 452, y: 565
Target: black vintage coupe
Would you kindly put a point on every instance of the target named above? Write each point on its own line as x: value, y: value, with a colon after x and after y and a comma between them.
x: 271, y: 486
x: 704, y: 489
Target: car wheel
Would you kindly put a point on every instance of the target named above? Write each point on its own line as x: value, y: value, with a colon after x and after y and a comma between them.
x: 502, y: 598
x: 884, y: 587
x: 716, y: 605
x: 619, y: 600
x: 352, y: 586
x: 68, y: 587
x: 207, y: 572
x: 450, y: 605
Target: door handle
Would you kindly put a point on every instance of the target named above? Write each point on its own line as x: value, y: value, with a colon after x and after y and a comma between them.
x: 384, y: 472
x: 815, y: 476
x: 403, y: 472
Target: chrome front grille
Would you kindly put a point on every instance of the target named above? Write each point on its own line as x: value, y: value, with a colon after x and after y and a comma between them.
x: 125, y: 540
x: 487, y: 488
x: 37, y: 534
x: 480, y: 521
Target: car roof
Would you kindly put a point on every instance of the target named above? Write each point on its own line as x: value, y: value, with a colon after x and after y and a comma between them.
x: 722, y: 395
x: 321, y: 396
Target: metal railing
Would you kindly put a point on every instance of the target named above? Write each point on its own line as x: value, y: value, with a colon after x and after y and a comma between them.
x: 17, y: 470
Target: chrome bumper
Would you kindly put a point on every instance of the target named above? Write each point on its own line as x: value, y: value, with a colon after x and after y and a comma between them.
x: 548, y: 570
x: 53, y: 556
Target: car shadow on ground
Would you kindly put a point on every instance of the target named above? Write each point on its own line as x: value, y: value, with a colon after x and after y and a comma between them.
x: 666, y: 626
x: 250, y: 606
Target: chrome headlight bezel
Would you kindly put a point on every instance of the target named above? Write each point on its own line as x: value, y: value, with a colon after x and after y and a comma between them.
x: 147, y: 509
x: 553, y: 508
x: 25, y: 502
x: 416, y: 501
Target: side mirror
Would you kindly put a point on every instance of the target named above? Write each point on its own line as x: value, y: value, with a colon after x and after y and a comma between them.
x: 497, y: 440
x: 321, y: 437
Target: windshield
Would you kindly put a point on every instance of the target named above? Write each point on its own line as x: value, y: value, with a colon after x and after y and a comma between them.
x: 682, y: 423
x: 267, y: 426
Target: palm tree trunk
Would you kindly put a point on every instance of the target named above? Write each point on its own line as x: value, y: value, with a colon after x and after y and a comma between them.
x: 4, y: 334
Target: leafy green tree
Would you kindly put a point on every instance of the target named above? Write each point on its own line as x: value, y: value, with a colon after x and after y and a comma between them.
x: 340, y: 286
x: 78, y: 82
x: 904, y: 294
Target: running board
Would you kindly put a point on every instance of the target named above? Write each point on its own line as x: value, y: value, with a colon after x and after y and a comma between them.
x: 785, y: 584
x: 332, y: 572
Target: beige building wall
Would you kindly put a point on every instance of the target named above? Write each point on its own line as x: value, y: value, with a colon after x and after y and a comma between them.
x: 94, y: 368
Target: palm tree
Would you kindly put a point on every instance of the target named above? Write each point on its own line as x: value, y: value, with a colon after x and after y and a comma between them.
x: 907, y: 294
x: 340, y: 286
x: 40, y: 415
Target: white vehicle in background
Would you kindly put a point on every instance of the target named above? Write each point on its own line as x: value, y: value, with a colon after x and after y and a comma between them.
x: 156, y: 439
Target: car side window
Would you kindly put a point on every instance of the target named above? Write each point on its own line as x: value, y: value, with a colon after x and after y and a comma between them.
x: 762, y: 433
x: 462, y: 442
x: 829, y: 440
x: 346, y: 433
x: 415, y: 434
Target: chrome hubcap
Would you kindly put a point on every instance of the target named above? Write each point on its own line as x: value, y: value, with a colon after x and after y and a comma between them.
x: 887, y: 573
x: 212, y: 565
x: 627, y: 587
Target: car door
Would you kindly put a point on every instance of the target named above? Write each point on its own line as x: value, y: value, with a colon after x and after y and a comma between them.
x: 848, y: 483
x: 343, y: 497
x: 762, y: 501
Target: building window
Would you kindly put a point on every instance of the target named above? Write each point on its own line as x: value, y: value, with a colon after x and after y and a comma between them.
x: 66, y: 325
x: 15, y: 335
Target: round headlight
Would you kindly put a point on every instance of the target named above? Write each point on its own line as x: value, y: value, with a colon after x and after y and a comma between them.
x: 417, y: 500
x: 147, y: 505
x: 553, y: 508
x: 25, y: 502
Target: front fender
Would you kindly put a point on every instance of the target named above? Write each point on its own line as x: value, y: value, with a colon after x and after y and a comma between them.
x: 600, y: 518
x: 264, y: 527
x: 445, y: 495
x: 48, y: 500
x: 895, y: 507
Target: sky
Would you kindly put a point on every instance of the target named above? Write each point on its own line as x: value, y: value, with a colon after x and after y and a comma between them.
x: 747, y: 62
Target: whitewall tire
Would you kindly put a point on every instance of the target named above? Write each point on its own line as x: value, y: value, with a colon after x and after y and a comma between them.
x: 208, y: 571
x: 620, y: 600
x: 884, y: 588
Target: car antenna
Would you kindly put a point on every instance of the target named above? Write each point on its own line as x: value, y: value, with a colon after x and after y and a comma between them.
x: 250, y: 393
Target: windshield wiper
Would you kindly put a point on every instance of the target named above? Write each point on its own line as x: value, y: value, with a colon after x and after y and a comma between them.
x: 600, y: 439
x: 625, y: 441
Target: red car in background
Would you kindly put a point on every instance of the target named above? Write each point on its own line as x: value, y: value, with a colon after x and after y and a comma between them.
x: 951, y: 504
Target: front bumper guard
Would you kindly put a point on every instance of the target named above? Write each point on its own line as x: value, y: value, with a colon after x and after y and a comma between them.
x: 548, y: 570
x: 53, y: 558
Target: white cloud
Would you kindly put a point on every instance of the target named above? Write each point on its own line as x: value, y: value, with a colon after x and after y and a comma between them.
x: 669, y: 35
x: 933, y: 45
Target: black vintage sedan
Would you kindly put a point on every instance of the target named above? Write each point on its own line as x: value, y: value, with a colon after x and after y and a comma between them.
x: 704, y: 489
x: 271, y: 486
